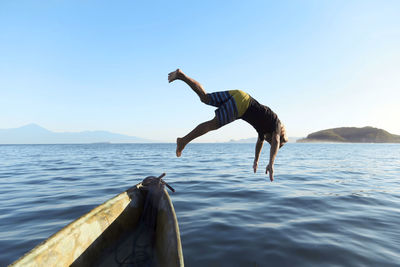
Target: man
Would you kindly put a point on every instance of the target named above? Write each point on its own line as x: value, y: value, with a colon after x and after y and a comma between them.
x: 232, y: 105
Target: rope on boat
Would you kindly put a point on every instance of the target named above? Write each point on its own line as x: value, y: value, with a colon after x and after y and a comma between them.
x: 144, y: 241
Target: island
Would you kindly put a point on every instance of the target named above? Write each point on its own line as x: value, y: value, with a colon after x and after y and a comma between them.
x: 352, y: 135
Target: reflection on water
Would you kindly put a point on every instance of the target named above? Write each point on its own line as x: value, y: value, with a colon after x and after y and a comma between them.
x: 330, y: 204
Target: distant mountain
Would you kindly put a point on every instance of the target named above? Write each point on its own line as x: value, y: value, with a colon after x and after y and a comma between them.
x: 246, y: 140
x: 254, y: 140
x: 35, y: 134
x: 352, y: 135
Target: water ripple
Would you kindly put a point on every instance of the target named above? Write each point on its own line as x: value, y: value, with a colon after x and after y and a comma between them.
x: 329, y: 204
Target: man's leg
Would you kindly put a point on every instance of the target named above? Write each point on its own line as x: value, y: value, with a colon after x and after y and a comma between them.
x: 195, y: 85
x: 201, y: 129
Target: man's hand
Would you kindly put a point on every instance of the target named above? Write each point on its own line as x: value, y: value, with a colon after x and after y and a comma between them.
x: 270, y: 169
x: 255, y: 166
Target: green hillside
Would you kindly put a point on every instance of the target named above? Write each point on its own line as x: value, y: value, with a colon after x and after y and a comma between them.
x: 352, y: 135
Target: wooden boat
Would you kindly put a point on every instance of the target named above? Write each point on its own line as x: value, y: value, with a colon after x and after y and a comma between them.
x: 135, y: 228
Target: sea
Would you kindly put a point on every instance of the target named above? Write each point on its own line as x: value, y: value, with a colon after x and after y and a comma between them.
x: 329, y: 205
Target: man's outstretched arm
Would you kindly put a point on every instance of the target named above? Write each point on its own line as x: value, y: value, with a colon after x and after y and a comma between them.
x: 275, y: 142
x: 259, y: 146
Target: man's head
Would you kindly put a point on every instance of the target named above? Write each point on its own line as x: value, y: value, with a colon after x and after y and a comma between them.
x: 283, y: 138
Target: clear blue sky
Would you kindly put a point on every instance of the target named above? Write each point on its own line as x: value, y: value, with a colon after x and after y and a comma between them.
x: 103, y: 65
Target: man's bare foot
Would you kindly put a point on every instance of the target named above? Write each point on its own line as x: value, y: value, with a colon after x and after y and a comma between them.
x: 172, y: 76
x: 180, y: 145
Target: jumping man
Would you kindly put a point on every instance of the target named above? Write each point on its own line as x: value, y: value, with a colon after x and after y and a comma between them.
x: 232, y: 105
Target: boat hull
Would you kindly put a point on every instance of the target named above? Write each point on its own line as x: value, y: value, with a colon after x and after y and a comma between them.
x: 114, y: 233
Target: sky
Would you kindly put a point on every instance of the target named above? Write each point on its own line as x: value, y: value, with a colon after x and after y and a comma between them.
x: 72, y: 66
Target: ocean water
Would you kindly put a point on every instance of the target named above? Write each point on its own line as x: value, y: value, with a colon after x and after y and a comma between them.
x: 330, y: 204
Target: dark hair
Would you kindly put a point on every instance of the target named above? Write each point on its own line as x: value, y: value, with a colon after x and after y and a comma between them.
x: 283, y: 137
